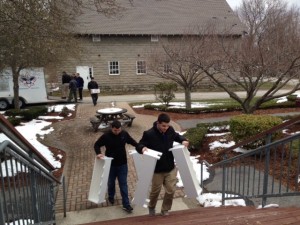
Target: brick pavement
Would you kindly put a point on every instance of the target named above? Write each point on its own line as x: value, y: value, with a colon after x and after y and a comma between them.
x: 81, y: 156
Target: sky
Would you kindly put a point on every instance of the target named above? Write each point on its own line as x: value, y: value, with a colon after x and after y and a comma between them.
x: 235, y: 3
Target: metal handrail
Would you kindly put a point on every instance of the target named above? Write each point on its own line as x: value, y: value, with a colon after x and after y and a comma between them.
x: 17, y: 138
x: 254, y: 174
x: 29, y: 161
x: 27, y: 185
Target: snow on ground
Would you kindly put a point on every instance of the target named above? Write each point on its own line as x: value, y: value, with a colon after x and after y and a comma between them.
x: 215, y: 200
x: 201, y: 104
x: 179, y: 104
x: 37, y: 128
x: 284, y: 98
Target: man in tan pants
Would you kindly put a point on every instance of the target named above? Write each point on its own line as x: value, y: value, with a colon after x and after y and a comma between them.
x: 65, y: 80
x: 160, y: 138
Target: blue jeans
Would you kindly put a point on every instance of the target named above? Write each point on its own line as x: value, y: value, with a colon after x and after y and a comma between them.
x: 119, y: 172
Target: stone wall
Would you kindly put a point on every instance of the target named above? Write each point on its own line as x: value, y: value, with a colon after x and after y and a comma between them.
x: 126, y: 50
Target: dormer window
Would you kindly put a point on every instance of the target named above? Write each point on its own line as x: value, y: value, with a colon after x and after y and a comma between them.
x: 96, y: 38
x: 154, y: 38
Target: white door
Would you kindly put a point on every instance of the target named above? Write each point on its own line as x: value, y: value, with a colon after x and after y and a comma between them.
x: 86, y: 72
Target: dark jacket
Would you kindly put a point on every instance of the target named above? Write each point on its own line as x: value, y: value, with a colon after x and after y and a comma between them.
x: 80, y: 82
x: 66, y: 78
x: 92, y: 85
x: 73, y: 85
x: 115, y: 146
x: 160, y: 142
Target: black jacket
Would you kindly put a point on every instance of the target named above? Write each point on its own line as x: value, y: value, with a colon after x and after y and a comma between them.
x: 66, y: 78
x: 92, y: 85
x: 115, y: 146
x: 160, y: 142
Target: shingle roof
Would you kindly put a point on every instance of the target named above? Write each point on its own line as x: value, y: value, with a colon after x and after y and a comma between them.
x: 161, y: 17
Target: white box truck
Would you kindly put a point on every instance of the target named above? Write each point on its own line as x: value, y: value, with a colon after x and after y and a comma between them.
x: 32, y: 87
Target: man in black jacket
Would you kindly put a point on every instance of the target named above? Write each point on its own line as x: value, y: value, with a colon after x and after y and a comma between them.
x: 65, y: 80
x: 160, y: 138
x: 114, y: 142
x: 93, y: 85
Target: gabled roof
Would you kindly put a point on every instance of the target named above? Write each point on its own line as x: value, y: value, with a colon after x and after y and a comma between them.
x: 161, y: 17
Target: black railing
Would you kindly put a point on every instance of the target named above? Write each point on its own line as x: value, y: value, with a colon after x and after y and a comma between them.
x: 27, y: 186
x: 272, y: 170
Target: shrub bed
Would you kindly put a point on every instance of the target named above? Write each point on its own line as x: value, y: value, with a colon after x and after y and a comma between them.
x: 247, y: 125
x: 195, y: 136
x: 217, y: 108
x: 28, y: 113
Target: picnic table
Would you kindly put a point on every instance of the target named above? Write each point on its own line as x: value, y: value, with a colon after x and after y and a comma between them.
x: 105, y: 116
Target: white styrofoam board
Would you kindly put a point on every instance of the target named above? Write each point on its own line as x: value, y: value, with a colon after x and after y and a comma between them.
x: 99, y: 180
x: 184, y: 164
x: 144, y: 166
x: 153, y: 153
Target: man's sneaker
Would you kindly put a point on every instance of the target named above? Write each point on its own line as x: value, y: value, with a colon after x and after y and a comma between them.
x: 128, y: 209
x: 151, y: 211
x: 164, y: 213
x: 111, y: 201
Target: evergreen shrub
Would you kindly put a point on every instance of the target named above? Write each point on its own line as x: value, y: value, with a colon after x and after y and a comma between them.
x: 33, y: 112
x: 28, y: 113
x: 291, y: 98
x: 15, y: 121
x: 195, y: 136
x: 247, y: 125
x: 164, y: 92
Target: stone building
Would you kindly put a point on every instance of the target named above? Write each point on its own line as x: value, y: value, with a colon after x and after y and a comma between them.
x: 114, y: 49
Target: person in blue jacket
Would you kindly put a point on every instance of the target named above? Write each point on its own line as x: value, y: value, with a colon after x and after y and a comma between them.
x: 80, y: 84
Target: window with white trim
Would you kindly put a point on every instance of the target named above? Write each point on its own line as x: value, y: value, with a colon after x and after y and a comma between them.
x: 141, y: 67
x: 114, y: 68
x: 154, y: 38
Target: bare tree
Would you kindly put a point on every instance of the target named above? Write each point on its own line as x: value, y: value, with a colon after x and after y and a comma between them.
x: 172, y: 60
x: 268, y: 56
x: 31, y: 35
x: 34, y: 33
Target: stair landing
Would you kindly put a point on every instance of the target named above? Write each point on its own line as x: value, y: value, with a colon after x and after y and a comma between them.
x: 211, y: 216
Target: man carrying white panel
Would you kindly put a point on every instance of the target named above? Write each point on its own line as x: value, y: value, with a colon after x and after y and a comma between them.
x: 114, y: 142
x: 160, y: 138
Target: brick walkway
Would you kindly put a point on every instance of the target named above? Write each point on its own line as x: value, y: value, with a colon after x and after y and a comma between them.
x: 81, y: 155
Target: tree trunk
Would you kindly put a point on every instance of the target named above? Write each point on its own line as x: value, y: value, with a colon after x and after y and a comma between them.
x: 15, y: 75
x: 248, y: 110
x: 188, y: 99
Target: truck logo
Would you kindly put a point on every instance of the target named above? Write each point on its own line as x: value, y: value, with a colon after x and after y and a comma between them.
x: 27, y: 80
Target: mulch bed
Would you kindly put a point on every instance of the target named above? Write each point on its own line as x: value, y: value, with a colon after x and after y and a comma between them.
x: 184, y: 116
